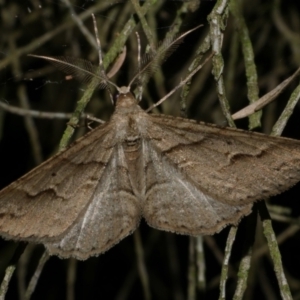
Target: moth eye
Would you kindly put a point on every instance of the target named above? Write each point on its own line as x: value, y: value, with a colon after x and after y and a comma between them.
x: 53, y: 174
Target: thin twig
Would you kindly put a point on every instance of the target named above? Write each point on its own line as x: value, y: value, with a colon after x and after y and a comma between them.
x: 35, y: 277
x: 43, y: 114
x: 274, y: 251
x: 266, y: 99
x: 146, y: 28
x: 89, y: 37
x: 201, y: 266
x: 204, y: 47
x: 231, y: 63
x: 287, y: 112
x: 2, y: 114
x: 245, y: 263
x: 217, y: 19
x: 71, y: 278
x: 38, y: 42
x: 174, y: 267
x: 291, y: 36
x: 101, y: 68
x: 224, y: 272
x: 9, y: 271
x: 250, y: 67
x: 132, y: 275
x: 191, y: 292
x: 283, y: 236
x: 141, y: 264
x: 183, y: 82
x: 24, y: 102
x: 22, y: 269
x: 118, y: 63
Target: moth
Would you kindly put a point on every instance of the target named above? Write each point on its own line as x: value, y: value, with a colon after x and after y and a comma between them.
x: 179, y: 175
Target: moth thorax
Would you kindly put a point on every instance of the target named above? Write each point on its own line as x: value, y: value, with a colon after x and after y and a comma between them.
x: 132, y: 143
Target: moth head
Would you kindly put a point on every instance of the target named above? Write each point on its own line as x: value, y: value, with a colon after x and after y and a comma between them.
x: 125, y: 100
x: 123, y: 90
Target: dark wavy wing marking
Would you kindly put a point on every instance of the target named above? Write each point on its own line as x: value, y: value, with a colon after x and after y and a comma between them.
x: 175, y: 203
x: 113, y: 213
x: 232, y: 166
x: 45, y: 202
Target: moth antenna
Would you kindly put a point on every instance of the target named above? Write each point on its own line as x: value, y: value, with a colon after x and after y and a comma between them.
x: 78, y: 68
x: 118, y: 63
x: 151, y: 62
x: 183, y: 82
x: 83, y: 69
x: 99, y: 45
x: 101, y: 68
x: 110, y: 95
x: 140, y: 87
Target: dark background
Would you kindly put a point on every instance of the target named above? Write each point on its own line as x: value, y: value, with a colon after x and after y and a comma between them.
x: 31, y: 27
